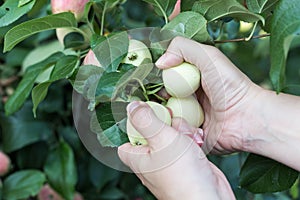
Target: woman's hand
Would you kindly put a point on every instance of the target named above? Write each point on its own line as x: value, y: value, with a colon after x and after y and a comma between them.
x: 227, y: 94
x: 172, y: 165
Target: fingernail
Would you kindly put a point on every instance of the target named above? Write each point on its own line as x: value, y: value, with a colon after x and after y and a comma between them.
x: 132, y: 106
x: 161, y: 61
x: 200, y: 132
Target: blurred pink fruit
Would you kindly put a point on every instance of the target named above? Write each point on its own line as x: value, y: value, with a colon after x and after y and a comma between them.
x: 74, y: 6
x: 91, y: 59
x: 47, y: 193
x: 4, y: 163
x: 176, y: 10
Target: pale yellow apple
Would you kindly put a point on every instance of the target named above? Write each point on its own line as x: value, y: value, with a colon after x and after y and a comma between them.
x: 137, y: 52
x: 187, y: 108
x: 182, y: 80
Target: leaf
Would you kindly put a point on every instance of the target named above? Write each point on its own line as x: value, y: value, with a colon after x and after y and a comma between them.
x: 112, y: 193
x: 162, y: 7
x: 28, y: 28
x: 140, y: 73
x: 109, y: 123
x: 61, y: 170
x: 62, y: 70
x: 11, y: 11
x: 217, y: 9
x: 111, y: 50
x: 87, y: 79
x: 22, y: 129
x: 285, y: 26
x: 262, y: 175
x: 187, y: 5
x: 100, y: 175
x: 23, y: 90
x: 189, y: 24
x: 23, y: 184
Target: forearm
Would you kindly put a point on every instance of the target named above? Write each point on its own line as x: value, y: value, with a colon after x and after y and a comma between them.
x: 274, y: 128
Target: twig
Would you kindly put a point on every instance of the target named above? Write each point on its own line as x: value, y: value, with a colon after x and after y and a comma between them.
x: 242, y: 39
x: 8, y: 81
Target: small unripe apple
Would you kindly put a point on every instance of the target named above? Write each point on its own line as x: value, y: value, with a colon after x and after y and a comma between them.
x: 182, y: 80
x: 4, y: 163
x: 137, y: 52
x: 187, y: 108
x: 74, y: 6
x: 91, y: 59
x: 47, y: 193
x: 160, y: 111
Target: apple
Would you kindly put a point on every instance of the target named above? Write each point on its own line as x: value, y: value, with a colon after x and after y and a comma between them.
x: 74, y: 6
x: 48, y: 193
x: 91, y: 59
x: 4, y: 163
x: 181, y: 80
x: 187, y: 108
x: 137, y: 52
x: 176, y: 10
x: 160, y: 111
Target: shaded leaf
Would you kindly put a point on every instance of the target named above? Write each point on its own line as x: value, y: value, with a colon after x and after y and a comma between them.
x: 22, y: 129
x: 189, y: 24
x: 23, y: 184
x: 28, y: 28
x: 262, y: 175
x: 111, y: 50
x: 217, y: 9
x: 23, y: 90
x: 162, y: 7
x: 109, y: 124
x: 11, y: 11
x: 285, y: 26
x: 61, y: 170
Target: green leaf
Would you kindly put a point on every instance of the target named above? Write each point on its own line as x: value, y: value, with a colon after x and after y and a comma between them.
x: 22, y: 129
x: 217, y: 9
x: 111, y: 51
x: 28, y: 28
x: 163, y: 7
x: 285, y: 26
x: 109, y: 122
x: 189, y: 24
x: 61, y: 170
x: 187, y: 5
x: 87, y: 79
x: 262, y: 175
x: 137, y: 74
x: 100, y: 175
x: 23, y: 184
x: 23, y: 90
x: 39, y: 93
x: 112, y: 193
x: 11, y: 11
x: 259, y: 6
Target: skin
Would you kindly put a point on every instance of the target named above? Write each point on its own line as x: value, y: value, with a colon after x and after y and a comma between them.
x: 239, y: 116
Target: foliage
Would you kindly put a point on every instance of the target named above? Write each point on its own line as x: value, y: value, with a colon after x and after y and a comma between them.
x: 39, y: 134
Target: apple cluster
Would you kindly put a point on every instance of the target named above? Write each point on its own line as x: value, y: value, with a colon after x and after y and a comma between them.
x: 181, y: 83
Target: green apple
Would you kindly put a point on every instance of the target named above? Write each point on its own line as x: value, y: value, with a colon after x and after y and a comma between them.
x: 137, y: 52
x: 160, y: 111
x: 187, y: 108
x: 182, y: 80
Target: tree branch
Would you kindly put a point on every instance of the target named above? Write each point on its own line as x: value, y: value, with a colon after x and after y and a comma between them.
x: 241, y: 39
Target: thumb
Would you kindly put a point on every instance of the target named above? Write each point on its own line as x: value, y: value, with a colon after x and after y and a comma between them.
x: 157, y: 133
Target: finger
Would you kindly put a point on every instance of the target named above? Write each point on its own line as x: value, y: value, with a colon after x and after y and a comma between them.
x: 183, y: 49
x: 144, y: 120
x: 183, y: 127
x: 132, y: 155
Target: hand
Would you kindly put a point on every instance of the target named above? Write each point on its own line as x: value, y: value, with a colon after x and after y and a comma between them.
x: 227, y: 93
x: 172, y: 165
